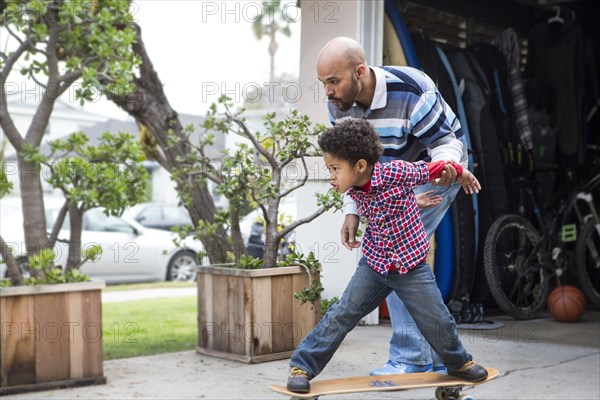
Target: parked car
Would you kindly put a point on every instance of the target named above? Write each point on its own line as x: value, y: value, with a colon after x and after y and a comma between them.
x: 253, y: 231
x: 159, y: 216
x: 130, y: 251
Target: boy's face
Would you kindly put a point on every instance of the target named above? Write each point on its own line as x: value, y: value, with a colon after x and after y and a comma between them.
x: 343, y: 175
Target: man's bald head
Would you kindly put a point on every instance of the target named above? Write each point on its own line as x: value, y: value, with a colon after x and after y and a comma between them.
x: 343, y: 50
x: 346, y: 78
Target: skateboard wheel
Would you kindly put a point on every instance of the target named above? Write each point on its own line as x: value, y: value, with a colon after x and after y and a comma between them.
x: 442, y: 393
x: 466, y: 397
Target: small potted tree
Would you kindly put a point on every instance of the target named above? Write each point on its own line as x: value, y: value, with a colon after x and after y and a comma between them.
x: 53, y: 315
x: 256, y: 310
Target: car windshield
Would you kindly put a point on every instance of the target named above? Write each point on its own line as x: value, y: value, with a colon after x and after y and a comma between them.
x: 176, y: 213
x: 96, y: 220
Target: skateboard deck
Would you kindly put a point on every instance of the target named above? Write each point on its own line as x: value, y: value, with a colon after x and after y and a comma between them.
x: 448, y: 386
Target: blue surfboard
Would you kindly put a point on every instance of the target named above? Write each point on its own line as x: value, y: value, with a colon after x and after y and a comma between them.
x: 444, y: 234
x: 462, y: 117
x: 444, y: 256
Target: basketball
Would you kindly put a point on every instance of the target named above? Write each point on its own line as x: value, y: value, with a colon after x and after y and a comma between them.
x: 566, y: 303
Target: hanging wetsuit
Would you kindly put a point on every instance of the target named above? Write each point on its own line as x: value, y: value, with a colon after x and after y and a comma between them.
x: 555, y: 61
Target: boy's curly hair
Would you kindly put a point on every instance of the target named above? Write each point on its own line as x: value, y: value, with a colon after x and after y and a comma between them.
x: 352, y: 140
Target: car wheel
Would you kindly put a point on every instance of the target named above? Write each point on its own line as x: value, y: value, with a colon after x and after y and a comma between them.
x: 182, y: 267
x: 23, y: 263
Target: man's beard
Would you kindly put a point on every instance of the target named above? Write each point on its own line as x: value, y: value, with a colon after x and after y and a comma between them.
x: 345, y: 105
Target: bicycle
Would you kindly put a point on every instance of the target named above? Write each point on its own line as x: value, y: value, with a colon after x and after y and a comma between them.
x: 520, y: 259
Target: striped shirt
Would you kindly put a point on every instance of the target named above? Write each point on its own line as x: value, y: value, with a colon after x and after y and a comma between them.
x: 411, y: 117
x: 395, y: 238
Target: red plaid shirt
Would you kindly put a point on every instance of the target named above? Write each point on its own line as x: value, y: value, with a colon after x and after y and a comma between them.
x: 395, y: 238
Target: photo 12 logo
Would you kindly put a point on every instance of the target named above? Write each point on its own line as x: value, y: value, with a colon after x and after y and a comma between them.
x: 250, y: 11
x: 252, y: 92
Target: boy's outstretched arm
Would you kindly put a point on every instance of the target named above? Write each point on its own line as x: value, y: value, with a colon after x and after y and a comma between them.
x: 464, y: 177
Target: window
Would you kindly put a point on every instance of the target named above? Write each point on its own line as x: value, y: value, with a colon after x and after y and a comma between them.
x: 96, y: 220
x: 179, y: 214
x: 150, y: 214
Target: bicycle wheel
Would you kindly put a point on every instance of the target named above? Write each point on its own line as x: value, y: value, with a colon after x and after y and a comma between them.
x: 587, y: 262
x: 516, y: 276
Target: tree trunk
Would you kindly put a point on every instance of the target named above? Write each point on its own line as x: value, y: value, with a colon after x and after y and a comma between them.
x: 271, y: 240
x: 272, y: 50
x: 16, y: 277
x: 76, y: 223
x: 150, y: 107
x: 32, y: 200
x: 236, y: 234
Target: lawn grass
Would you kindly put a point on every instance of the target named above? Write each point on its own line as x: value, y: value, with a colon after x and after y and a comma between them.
x: 150, y: 326
x: 149, y: 285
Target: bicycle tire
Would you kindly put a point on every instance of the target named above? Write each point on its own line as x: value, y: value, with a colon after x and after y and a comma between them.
x: 519, y: 290
x: 587, y: 262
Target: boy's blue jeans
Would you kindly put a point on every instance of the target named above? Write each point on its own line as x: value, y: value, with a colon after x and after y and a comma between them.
x: 407, y: 345
x: 365, y: 291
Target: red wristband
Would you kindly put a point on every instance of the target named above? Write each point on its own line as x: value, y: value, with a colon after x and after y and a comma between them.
x: 435, y: 168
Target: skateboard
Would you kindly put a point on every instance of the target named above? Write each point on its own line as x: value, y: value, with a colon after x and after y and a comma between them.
x: 447, y: 387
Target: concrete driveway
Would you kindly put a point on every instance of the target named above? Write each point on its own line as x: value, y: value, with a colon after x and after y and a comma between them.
x: 537, y: 359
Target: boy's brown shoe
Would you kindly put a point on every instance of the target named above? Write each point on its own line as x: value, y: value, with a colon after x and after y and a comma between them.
x: 470, y: 371
x: 298, y: 381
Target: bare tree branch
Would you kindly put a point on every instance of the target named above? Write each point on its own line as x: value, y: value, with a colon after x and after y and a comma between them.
x: 13, y: 34
x: 11, y: 62
x: 288, y: 228
x: 262, y: 207
x: 33, y: 78
x: 245, y: 133
x: 11, y: 264
x: 60, y: 219
x: 299, y: 185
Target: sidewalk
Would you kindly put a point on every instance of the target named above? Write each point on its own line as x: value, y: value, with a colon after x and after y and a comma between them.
x: 537, y: 359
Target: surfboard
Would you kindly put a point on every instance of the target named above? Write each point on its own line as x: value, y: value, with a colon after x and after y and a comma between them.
x: 457, y: 229
x: 393, y: 13
x: 444, y: 256
x: 443, y: 239
x: 392, y: 49
x: 464, y: 281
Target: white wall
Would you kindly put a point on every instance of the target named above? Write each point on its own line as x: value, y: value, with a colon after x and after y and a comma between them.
x: 322, y: 236
x: 322, y: 21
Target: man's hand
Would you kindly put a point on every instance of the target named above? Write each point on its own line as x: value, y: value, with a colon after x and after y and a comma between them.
x: 427, y: 199
x: 349, y: 229
x: 449, y: 175
x: 469, y: 183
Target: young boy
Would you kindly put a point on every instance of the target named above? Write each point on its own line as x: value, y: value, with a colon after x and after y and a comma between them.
x: 394, y: 246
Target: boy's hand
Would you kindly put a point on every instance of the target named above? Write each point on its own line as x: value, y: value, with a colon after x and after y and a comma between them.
x: 448, y: 177
x: 349, y: 229
x: 427, y: 199
x: 469, y: 183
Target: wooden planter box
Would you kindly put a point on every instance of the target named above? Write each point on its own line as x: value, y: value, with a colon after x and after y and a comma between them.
x: 51, y: 336
x: 252, y: 315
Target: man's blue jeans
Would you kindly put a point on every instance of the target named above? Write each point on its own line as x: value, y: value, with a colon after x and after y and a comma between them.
x: 365, y: 291
x: 407, y: 345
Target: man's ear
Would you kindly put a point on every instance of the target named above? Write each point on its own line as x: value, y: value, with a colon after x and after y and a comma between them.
x: 360, y: 71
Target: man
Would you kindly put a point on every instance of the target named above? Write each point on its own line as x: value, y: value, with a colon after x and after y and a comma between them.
x: 413, y: 121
